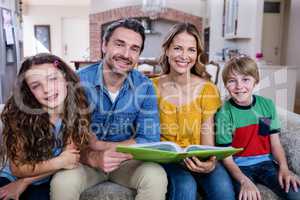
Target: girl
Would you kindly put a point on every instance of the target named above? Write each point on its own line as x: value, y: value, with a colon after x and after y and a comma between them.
x: 42, y: 127
x: 187, y: 103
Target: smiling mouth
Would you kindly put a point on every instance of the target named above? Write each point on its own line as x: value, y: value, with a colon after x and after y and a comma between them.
x: 241, y: 94
x: 182, y: 63
x: 52, y: 97
x: 123, y: 61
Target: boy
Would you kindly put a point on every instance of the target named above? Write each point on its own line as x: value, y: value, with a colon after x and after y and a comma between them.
x: 251, y: 122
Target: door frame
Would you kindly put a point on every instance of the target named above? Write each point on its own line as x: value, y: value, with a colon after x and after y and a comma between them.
x: 281, y: 38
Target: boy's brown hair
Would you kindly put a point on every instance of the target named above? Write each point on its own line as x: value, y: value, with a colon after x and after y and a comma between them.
x: 243, y: 65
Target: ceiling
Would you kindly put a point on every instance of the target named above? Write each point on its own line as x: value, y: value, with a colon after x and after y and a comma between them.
x: 57, y: 2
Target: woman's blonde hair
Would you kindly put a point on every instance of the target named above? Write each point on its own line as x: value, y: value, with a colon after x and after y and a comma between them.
x: 198, y: 68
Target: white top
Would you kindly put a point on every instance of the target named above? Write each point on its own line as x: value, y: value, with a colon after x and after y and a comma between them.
x: 113, y: 95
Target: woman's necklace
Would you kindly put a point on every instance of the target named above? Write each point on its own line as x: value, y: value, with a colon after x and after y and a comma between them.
x: 181, y: 88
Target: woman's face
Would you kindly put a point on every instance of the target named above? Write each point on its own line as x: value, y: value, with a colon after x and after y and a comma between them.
x: 182, y: 53
x: 47, y: 83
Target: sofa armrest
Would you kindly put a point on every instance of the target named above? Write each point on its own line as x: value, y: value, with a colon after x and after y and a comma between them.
x: 291, y: 144
x: 290, y: 138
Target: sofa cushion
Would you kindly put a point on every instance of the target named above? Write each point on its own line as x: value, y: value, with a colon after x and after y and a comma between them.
x: 108, y: 191
x: 290, y: 138
x: 266, y: 193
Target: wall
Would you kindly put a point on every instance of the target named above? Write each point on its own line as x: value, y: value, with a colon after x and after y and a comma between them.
x: 247, y: 46
x: 153, y: 41
x: 58, y: 2
x: 293, y: 44
x: 285, y: 34
x: 187, y: 10
x: 194, y: 7
x: 100, y: 19
x: 52, y: 15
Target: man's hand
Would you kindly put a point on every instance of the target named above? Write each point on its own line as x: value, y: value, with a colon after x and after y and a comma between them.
x: 109, y: 160
x: 13, y: 190
x: 195, y: 165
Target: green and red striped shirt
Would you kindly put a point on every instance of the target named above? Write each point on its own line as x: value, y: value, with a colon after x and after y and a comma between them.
x: 247, y: 127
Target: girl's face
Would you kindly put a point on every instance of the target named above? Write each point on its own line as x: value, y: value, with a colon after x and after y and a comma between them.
x: 182, y: 53
x: 240, y: 88
x: 47, y: 83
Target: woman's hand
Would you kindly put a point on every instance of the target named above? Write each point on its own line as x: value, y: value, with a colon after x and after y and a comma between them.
x: 195, y: 165
x: 249, y: 191
x: 287, y: 179
x: 13, y: 190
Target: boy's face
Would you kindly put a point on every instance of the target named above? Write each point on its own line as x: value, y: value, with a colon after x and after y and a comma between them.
x: 240, y: 88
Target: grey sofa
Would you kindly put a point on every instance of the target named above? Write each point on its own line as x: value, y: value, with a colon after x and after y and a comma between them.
x: 290, y: 138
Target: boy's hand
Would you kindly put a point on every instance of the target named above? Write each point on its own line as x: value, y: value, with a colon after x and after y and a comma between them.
x: 287, y: 179
x: 13, y: 190
x: 195, y: 165
x: 249, y: 191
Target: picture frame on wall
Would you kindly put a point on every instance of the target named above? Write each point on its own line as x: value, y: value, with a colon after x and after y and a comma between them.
x: 42, y: 37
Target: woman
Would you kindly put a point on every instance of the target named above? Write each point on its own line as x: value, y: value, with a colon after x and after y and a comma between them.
x: 187, y: 103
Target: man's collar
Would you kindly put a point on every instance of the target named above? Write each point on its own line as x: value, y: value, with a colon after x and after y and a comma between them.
x: 99, y: 82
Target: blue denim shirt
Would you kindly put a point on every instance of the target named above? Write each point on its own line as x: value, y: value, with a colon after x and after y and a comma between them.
x: 134, y: 112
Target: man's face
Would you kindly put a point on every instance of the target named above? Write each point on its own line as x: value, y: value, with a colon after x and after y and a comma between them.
x: 122, y: 51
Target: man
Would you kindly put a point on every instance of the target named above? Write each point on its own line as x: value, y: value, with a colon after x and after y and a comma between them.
x: 124, y: 111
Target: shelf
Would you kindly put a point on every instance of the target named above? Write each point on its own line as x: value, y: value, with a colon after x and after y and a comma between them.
x: 235, y: 37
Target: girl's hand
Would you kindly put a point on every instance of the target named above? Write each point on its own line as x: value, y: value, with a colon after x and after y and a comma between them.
x: 287, y: 179
x: 195, y: 165
x: 69, y: 158
x: 13, y: 190
x: 249, y: 191
x: 70, y: 146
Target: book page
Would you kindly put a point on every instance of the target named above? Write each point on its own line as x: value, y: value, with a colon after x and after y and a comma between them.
x: 203, y: 147
x: 164, y: 146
